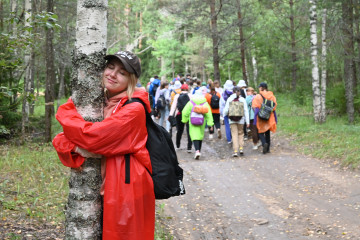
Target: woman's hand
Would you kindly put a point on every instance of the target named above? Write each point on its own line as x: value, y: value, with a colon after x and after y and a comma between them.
x: 86, y: 154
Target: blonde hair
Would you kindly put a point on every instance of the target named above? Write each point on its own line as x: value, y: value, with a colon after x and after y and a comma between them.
x: 131, y: 85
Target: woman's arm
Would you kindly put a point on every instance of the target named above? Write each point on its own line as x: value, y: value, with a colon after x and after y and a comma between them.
x: 123, y: 132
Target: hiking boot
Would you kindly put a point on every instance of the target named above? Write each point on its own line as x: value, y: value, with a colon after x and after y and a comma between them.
x: 265, y: 148
x: 189, y: 150
x: 211, y: 137
x: 241, y: 151
x: 197, y: 155
x: 235, y: 154
x: 219, y: 133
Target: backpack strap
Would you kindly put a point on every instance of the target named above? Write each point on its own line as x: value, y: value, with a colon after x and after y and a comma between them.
x: 127, y: 156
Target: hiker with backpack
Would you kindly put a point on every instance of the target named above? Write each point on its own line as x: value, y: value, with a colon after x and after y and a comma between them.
x: 180, y: 100
x: 228, y: 91
x: 213, y: 99
x: 264, y: 105
x: 121, y: 138
x: 250, y: 95
x: 197, y: 113
x: 153, y: 88
x: 162, y: 101
x: 237, y: 111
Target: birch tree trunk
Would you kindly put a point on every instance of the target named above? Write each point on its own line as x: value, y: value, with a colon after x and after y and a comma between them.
x: 314, y: 60
x: 242, y: 42
x: 255, y: 70
x: 215, y: 40
x: 347, y: 29
x: 84, y: 211
x: 293, y: 46
x: 163, y: 68
x: 323, y: 68
x: 27, y: 78
x: 50, y: 77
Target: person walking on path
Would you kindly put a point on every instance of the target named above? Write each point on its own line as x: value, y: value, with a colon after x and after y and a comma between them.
x: 253, y: 129
x: 180, y: 101
x: 228, y: 91
x: 237, y: 121
x: 154, y: 85
x: 197, y: 131
x: 264, y: 126
x: 164, y: 93
x: 213, y: 99
x: 129, y: 208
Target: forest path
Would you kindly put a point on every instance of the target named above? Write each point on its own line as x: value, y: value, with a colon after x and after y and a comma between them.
x: 280, y: 195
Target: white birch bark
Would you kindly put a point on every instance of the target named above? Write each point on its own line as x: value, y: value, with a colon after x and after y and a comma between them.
x: 314, y: 60
x: 323, y: 67
x: 84, y: 211
x: 255, y: 70
x: 27, y: 78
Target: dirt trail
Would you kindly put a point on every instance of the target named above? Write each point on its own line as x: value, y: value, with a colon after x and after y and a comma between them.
x: 281, y: 195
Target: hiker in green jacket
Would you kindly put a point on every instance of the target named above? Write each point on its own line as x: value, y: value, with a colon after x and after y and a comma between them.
x: 197, y: 131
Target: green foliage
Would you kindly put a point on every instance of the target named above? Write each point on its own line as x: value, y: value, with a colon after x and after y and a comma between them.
x: 335, y: 99
x: 335, y: 140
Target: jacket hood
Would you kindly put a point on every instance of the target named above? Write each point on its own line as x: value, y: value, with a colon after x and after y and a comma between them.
x: 143, y: 96
x: 198, y: 99
x: 267, y: 94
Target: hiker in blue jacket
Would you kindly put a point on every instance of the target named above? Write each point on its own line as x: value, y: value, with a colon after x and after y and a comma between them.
x: 153, y: 87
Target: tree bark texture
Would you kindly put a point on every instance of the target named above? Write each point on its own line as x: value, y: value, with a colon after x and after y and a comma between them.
x: 347, y: 29
x: 242, y: 42
x: 50, y: 77
x: 84, y: 208
x: 314, y: 60
x: 293, y: 46
x: 28, y: 73
x: 323, y: 67
x: 215, y: 40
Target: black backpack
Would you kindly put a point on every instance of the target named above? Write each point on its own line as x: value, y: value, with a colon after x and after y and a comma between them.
x: 214, y: 102
x: 167, y: 175
x: 161, y: 102
x: 182, y: 101
x: 266, y: 109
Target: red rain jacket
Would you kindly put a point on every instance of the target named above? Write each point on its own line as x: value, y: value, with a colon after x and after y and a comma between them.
x: 129, y: 209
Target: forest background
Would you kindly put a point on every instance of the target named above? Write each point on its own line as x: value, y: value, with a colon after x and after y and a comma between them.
x: 307, y: 51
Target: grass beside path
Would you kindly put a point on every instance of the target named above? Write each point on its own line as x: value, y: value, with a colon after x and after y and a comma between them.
x: 335, y: 140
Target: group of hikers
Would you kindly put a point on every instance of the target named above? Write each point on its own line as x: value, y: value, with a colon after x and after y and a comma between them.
x: 120, y: 140
x: 184, y: 99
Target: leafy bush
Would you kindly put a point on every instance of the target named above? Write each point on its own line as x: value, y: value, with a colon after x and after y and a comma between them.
x: 335, y: 99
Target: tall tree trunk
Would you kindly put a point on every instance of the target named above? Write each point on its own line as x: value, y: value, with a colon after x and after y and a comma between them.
x: 13, y: 73
x: 293, y: 46
x: 140, y: 29
x: 27, y: 78
x: 314, y: 60
x: 1, y: 15
x: 84, y: 211
x: 186, y: 62
x: 32, y: 64
x: 323, y: 68
x: 255, y: 70
x: 347, y: 29
x: 357, y: 39
x: 242, y: 42
x: 163, y: 68
x: 215, y: 40
x: 50, y: 77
